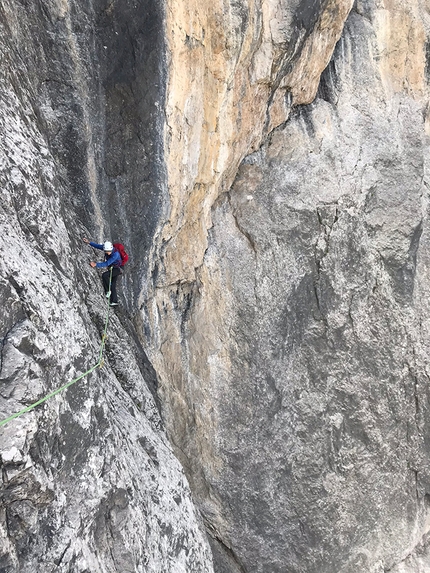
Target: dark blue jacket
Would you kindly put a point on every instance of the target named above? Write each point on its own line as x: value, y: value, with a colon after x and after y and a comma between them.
x: 113, y: 260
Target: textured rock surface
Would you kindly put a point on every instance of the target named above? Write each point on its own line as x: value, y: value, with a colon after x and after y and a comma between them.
x: 299, y: 354
x: 89, y: 480
x: 283, y: 303
x: 235, y: 68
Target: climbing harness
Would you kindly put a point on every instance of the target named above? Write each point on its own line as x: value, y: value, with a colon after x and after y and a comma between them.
x: 87, y: 373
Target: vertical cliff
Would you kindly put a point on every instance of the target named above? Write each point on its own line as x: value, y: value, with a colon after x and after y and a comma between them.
x: 89, y: 480
x: 266, y: 378
x: 293, y: 302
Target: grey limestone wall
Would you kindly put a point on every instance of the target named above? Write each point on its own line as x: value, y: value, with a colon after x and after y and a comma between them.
x: 313, y: 315
x: 89, y: 482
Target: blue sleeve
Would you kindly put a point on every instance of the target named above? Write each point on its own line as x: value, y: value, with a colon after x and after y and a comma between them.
x: 96, y: 245
x: 114, y: 258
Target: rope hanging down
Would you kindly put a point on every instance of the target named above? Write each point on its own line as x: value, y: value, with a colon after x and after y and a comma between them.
x: 58, y: 390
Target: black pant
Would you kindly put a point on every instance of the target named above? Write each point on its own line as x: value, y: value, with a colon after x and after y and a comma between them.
x: 106, y: 278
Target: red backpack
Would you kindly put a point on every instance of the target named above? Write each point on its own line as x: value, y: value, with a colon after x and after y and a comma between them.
x: 120, y: 248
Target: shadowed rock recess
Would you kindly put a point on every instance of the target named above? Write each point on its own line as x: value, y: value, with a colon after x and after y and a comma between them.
x: 264, y: 401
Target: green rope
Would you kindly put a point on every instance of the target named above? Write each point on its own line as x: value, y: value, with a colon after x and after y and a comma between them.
x: 58, y: 390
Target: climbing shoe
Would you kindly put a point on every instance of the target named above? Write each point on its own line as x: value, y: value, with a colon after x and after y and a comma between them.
x: 113, y: 304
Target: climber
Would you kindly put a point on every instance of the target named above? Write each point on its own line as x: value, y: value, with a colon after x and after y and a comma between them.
x: 112, y: 261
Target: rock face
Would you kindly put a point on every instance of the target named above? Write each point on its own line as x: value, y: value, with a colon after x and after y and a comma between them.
x: 89, y: 480
x: 266, y: 166
x: 297, y: 342
x: 235, y: 68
